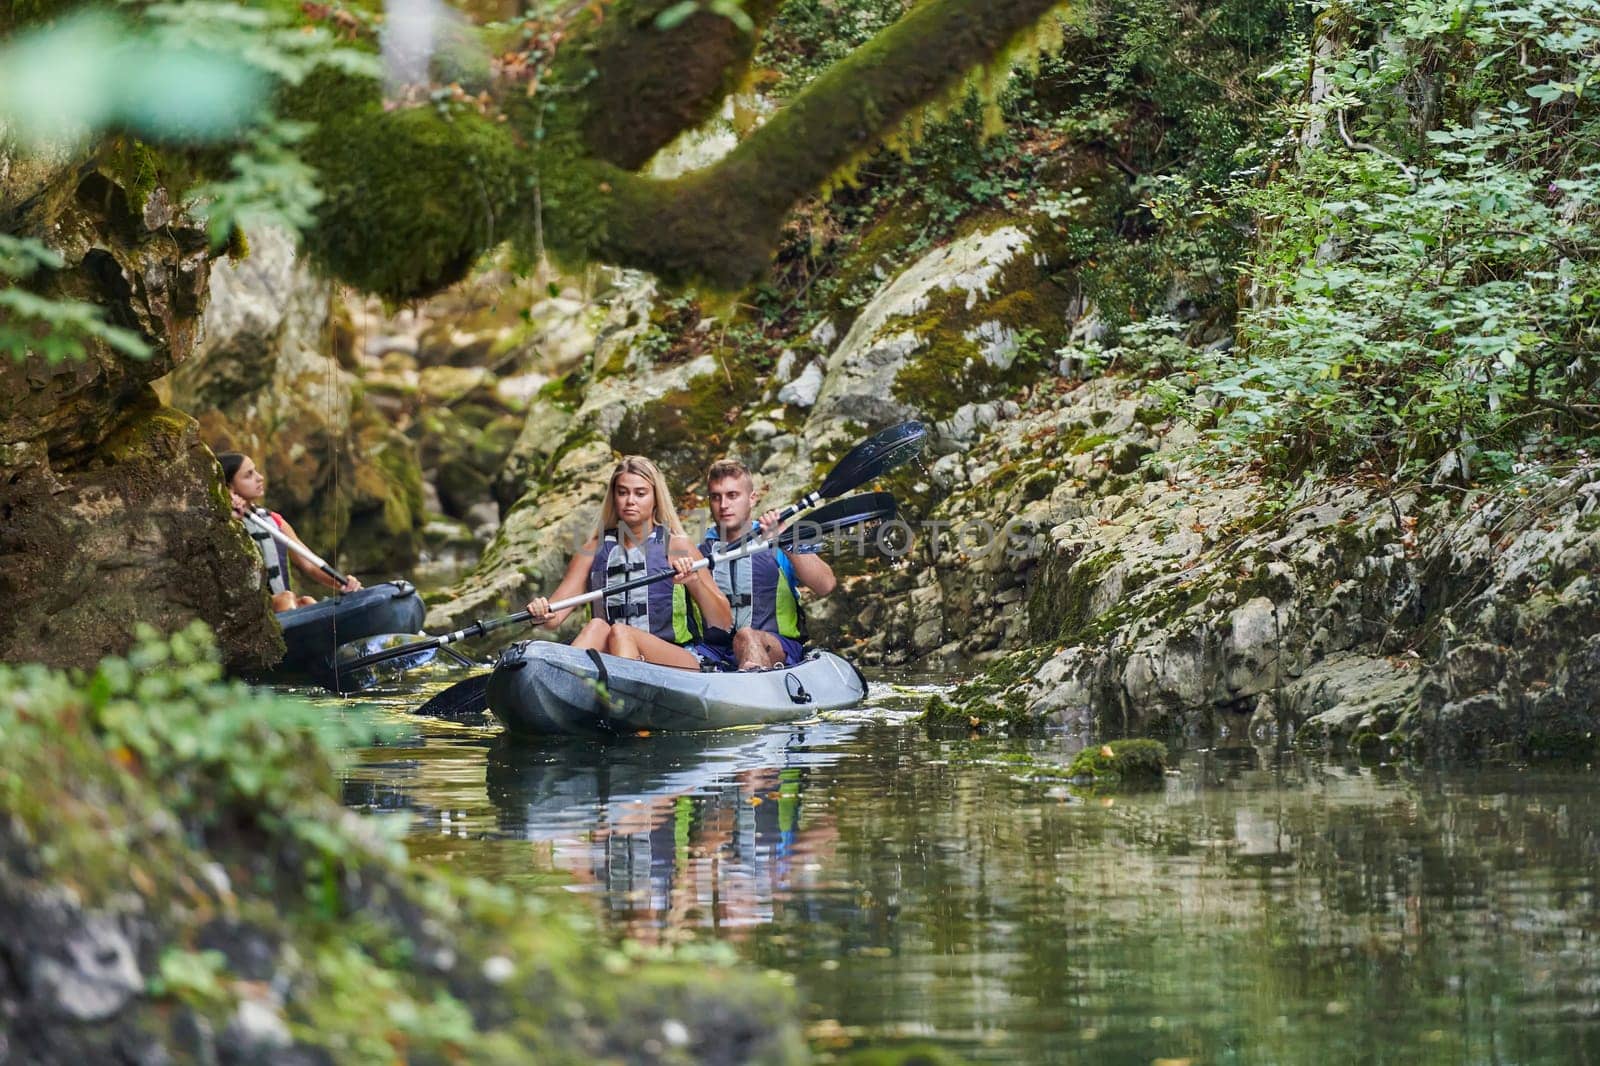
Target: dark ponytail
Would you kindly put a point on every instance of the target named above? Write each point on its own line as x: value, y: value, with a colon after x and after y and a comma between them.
x: 231, y: 462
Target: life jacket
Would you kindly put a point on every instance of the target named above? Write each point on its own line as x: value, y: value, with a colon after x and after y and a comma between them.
x: 273, y: 554
x: 762, y: 589
x: 663, y: 608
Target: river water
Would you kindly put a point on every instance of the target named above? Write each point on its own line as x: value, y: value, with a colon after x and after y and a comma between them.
x: 1260, y: 907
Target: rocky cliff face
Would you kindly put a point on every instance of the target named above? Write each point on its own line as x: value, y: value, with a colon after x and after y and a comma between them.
x: 111, y: 514
x: 1164, y: 598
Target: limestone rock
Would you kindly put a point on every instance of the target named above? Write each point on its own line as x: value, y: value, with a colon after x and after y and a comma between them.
x: 268, y: 383
x: 93, y: 976
x: 802, y: 391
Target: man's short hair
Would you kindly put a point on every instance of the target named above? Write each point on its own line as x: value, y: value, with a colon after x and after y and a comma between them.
x: 725, y: 468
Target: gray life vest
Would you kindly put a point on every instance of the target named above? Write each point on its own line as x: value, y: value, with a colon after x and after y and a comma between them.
x: 663, y: 608
x: 273, y: 555
x: 762, y: 589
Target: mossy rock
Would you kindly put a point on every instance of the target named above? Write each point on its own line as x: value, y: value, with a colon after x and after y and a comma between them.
x: 1127, y: 763
x: 994, y: 700
x: 950, y: 369
x: 686, y: 428
x: 413, y: 196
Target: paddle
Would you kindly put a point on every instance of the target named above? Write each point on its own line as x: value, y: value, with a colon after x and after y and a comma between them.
x: 878, y: 454
x: 264, y: 522
x: 468, y: 696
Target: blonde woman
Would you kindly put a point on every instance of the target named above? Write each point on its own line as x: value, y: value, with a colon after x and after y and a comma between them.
x: 640, y: 533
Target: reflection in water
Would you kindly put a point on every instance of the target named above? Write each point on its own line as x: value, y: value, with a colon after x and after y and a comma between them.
x: 1258, y: 908
x: 677, y: 832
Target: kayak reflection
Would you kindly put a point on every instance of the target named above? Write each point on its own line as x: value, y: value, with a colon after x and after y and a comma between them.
x: 676, y: 831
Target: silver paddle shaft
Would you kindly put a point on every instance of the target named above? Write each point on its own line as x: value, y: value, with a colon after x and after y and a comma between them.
x: 293, y: 545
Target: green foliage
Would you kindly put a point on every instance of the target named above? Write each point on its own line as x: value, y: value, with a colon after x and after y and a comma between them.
x: 1122, y: 149
x: 53, y: 329
x: 267, y: 184
x: 1428, y: 266
x: 188, y: 803
x: 249, y: 743
x: 192, y: 976
x: 179, y: 76
x: 92, y: 71
x: 214, y: 743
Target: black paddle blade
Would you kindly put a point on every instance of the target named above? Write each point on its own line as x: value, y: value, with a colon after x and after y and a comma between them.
x: 836, y: 517
x: 383, y: 655
x: 355, y: 663
x: 466, y: 698
x: 878, y: 454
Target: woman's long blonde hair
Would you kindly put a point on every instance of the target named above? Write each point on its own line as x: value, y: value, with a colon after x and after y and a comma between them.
x: 666, y: 514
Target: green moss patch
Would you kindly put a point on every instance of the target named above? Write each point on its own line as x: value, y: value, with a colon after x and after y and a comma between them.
x: 688, y: 427
x: 994, y: 700
x: 1130, y: 763
x: 949, y: 369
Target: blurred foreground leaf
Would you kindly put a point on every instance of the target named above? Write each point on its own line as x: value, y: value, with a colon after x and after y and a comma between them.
x: 94, y: 71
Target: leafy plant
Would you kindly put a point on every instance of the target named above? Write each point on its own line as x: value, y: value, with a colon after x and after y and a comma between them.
x: 1427, y: 268
x: 54, y: 329
x: 732, y: 10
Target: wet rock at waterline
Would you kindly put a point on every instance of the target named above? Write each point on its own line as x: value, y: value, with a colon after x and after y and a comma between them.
x: 1166, y: 600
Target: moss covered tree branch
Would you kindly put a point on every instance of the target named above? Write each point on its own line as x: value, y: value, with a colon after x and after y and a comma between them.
x: 721, y: 224
x: 639, y: 85
x: 415, y: 195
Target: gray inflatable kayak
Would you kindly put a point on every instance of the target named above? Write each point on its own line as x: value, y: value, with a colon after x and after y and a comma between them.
x: 538, y: 687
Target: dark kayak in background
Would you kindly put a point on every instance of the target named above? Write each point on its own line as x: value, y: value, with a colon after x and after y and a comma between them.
x: 313, y: 635
x: 539, y: 687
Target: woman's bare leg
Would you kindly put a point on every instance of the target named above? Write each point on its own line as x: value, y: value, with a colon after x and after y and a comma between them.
x: 619, y: 642
x: 630, y: 643
x: 592, y: 637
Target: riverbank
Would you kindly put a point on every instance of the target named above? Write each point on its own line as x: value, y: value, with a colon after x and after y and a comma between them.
x: 1170, y: 596
x: 180, y: 884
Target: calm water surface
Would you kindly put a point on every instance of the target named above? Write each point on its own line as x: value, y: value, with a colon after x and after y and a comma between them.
x: 1260, y: 907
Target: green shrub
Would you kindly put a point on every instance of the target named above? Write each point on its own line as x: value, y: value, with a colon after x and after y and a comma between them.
x: 1425, y: 270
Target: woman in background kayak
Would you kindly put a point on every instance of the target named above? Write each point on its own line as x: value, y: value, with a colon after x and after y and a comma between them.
x: 246, y: 485
x: 639, y: 533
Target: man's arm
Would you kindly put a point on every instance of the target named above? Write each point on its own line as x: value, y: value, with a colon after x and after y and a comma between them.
x: 814, y: 573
